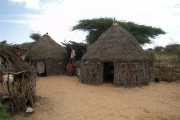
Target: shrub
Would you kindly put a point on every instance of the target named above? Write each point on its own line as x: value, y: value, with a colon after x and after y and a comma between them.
x: 3, y: 114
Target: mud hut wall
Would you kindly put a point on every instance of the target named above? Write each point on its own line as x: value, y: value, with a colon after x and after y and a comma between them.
x: 92, y: 72
x: 53, y: 67
x: 127, y: 74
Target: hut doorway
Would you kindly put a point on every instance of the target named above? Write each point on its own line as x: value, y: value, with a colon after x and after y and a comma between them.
x: 41, y: 68
x: 108, y: 73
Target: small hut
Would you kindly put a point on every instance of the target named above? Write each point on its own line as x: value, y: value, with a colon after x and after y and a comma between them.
x: 47, y: 56
x: 115, y: 57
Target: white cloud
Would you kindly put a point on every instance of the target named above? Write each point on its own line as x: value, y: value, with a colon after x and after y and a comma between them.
x: 33, y: 4
x: 58, y: 17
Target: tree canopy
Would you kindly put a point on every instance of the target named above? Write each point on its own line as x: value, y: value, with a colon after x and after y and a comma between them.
x: 159, y: 49
x: 172, y: 49
x: 35, y: 36
x: 97, y: 26
x: 168, y: 49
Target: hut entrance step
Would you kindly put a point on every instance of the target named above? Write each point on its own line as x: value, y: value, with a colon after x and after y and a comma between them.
x: 108, y: 72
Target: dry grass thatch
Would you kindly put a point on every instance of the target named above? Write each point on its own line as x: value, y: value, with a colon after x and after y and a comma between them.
x: 46, y: 48
x: 115, y: 44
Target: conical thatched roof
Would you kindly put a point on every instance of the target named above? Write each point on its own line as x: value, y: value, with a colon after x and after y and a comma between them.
x: 115, y: 44
x: 46, y: 48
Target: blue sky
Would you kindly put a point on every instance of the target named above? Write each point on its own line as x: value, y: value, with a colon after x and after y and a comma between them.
x: 13, y: 24
x: 19, y: 18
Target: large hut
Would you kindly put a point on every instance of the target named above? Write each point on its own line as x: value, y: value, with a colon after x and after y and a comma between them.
x: 115, y: 57
x: 47, y: 56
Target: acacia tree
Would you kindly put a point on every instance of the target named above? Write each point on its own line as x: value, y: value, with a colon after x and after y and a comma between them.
x: 97, y: 26
x: 35, y: 36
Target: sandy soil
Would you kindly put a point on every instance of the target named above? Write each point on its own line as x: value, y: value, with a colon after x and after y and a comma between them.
x: 65, y: 98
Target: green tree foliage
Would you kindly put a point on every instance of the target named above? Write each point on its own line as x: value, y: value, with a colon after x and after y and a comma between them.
x: 35, y: 36
x: 159, y: 49
x: 172, y: 49
x: 168, y: 49
x: 150, y: 49
x: 97, y: 26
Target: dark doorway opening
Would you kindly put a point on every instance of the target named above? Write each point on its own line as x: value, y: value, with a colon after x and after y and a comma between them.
x: 108, y: 73
x: 41, y: 68
x: 44, y: 74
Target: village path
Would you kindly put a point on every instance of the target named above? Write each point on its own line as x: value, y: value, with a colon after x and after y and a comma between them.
x: 65, y: 98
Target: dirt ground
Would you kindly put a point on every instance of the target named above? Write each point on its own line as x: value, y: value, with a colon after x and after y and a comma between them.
x: 65, y: 98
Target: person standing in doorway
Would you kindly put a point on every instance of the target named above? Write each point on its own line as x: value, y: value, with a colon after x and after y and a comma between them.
x: 69, y: 68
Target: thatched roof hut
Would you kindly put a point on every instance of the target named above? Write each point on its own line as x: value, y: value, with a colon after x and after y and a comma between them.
x: 47, y: 56
x: 115, y: 57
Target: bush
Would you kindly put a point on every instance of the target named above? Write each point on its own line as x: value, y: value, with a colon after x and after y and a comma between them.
x: 3, y: 114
